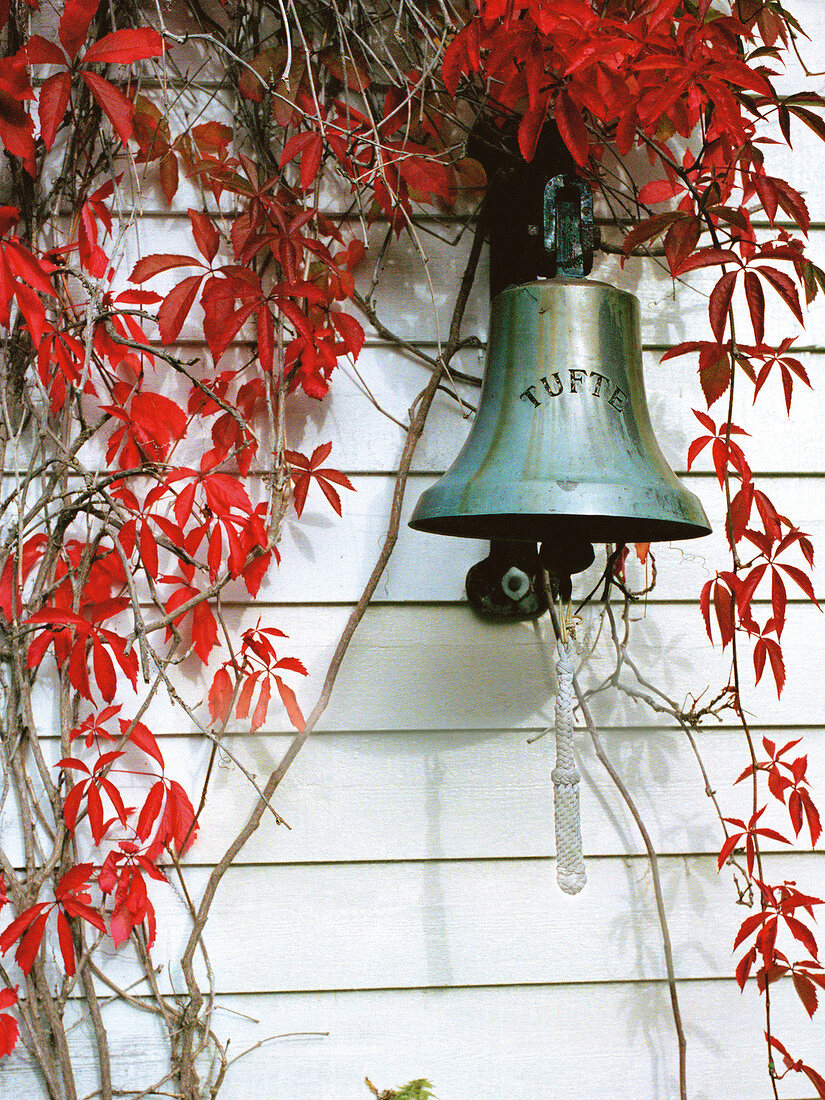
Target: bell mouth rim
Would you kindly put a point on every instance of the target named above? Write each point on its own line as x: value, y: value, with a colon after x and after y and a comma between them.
x: 541, y: 527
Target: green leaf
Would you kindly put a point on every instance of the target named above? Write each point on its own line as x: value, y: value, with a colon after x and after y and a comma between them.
x: 416, y: 1090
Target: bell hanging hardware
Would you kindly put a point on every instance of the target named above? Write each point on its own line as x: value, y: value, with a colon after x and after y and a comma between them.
x: 568, y: 225
x: 562, y: 451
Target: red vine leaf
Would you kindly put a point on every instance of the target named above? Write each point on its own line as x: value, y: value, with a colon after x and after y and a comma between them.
x: 806, y: 991
x: 720, y: 304
x: 123, y: 46
x: 572, y: 128
x: 9, y: 1031
x: 117, y: 107
x: 305, y: 469
x: 756, y: 304
x: 770, y: 648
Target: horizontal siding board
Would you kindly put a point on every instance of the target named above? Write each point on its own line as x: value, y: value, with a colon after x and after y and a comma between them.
x: 364, y: 440
x: 479, y: 794
x: 439, y: 667
x: 446, y: 923
x: 671, y: 312
x: 473, y: 1044
x: 339, y: 554
x: 454, y: 794
x: 778, y: 443
x: 415, y: 300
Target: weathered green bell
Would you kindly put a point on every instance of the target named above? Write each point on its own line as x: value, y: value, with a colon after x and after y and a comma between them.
x: 562, y: 449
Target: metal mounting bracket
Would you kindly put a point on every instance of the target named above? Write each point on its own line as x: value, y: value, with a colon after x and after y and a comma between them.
x: 568, y: 225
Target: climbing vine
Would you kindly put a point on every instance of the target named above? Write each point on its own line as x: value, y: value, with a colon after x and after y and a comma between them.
x: 142, y: 484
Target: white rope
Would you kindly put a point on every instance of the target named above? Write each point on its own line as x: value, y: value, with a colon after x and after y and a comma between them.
x: 570, y: 871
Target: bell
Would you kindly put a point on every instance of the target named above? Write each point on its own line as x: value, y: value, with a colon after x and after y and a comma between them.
x: 562, y: 450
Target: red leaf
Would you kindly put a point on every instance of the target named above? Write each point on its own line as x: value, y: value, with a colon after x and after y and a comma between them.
x: 76, y: 908
x: 124, y: 46
x: 350, y: 331
x: 660, y: 191
x: 117, y: 107
x: 52, y: 104
x: 177, y: 824
x: 184, y: 502
x: 571, y: 126
x: 207, y: 238
x: 723, y: 604
x: 779, y: 601
x: 259, y: 715
x: 214, y: 556
x: 708, y: 257
x: 794, y: 807
x: 719, y: 304
x: 748, y: 927
x: 768, y: 647
x: 30, y: 942
x: 743, y: 968
x: 71, y: 804
x: 74, y: 24
x: 427, y: 177
x: 330, y: 493
x: 94, y: 806
x: 802, y: 933
x: 728, y: 847
x: 149, y: 812
x: 224, y: 492
x: 714, y: 371
x: 150, y: 266
x: 204, y: 630
x: 812, y: 814
x: 157, y: 422
x: 293, y: 664
x: 806, y: 991
x: 64, y: 936
x: 784, y: 287
x: 309, y: 147
x: 649, y: 230
x: 9, y: 1031
x: 148, y: 551
x: 245, y: 695
x: 18, y: 926
x: 756, y: 304
x: 220, y: 697
x: 142, y: 737
x: 680, y: 241
x: 176, y: 306
x: 254, y: 572
x: 290, y: 702
x: 104, y: 670
x: 40, y: 51
x: 695, y: 449
x: 169, y: 176
x: 32, y: 309
x: 794, y: 205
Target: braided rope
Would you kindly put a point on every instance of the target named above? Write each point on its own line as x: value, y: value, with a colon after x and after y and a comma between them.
x: 570, y: 871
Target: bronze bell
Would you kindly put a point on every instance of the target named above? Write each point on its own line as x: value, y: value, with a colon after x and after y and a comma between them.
x: 562, y: 449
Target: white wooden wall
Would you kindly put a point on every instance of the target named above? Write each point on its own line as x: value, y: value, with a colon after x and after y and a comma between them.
x: 409, y: 922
